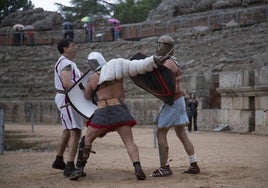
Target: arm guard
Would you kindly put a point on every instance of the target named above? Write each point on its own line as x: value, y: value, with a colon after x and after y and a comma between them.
x: 117, y: 69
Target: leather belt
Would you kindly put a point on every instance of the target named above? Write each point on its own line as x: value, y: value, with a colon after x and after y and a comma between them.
x: 61, y: 91
x: 108, y: 102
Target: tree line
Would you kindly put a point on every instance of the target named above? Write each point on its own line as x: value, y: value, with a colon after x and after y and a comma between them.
x: 127, y: 11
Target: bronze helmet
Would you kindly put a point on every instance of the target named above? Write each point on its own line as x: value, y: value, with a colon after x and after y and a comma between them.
x: 165, y: 45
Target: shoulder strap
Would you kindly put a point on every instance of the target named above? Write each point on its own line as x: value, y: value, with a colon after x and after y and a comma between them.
x: 56, y: 68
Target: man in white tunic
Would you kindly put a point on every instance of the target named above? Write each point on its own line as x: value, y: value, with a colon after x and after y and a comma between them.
x: 66, y: 73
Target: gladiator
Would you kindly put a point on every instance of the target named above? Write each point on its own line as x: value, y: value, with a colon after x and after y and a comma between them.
x: 173, y: 115
x: 105, y: 89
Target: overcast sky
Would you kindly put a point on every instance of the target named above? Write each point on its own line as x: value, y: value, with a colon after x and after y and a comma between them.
x: 50, y: 6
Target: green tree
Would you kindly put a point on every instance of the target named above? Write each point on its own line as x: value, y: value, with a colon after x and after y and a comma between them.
x: 9, y: 6
x: 134, y: 11
x: 81, y: 8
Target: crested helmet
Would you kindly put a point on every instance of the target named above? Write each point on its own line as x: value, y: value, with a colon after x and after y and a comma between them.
x: 95, y: 60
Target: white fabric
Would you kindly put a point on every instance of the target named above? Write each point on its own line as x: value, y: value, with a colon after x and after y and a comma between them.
x: 98, y: 56
x: 60, y: 65
x: 117, y: 69
x: 70, y: 118
x: 192, y: 158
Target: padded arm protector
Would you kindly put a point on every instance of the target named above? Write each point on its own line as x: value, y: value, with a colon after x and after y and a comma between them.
x: 117, y: 69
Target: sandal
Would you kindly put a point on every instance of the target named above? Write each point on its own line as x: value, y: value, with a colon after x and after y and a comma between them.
x: 193, y: 169
x: 162, y: 172
x: 78, y: 173
x: 138, y: 171
x: 140, y: 175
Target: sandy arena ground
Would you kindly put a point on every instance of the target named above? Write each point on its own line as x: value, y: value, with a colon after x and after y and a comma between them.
x: 225, y: 159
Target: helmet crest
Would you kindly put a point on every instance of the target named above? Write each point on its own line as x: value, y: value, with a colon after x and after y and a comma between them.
x: 95, y: 60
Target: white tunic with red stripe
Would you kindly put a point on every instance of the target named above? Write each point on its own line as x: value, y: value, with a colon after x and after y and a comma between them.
x: 70, y: 118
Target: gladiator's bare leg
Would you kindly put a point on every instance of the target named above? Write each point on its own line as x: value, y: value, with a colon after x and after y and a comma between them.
x: 182, y: 135
x: 189, y: 148
x: 126, y: 135
x: 162, y: 146
x: 163, y: 149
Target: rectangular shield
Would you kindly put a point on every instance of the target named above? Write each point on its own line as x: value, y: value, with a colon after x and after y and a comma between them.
x: 160, y: 82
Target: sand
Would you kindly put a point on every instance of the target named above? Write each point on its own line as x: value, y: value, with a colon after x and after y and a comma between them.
x: 225, y: 159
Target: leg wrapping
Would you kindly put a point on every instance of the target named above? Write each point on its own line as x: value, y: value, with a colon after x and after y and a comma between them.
x: 79, y: 163
x: 86, y: 153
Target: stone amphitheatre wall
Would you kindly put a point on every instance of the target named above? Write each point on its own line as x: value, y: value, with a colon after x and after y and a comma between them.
x: 226, y: 68
x: 170, y: 17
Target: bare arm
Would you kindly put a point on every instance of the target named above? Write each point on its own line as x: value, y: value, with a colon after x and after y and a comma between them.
x: 172, y: 66
x: 66, y: 77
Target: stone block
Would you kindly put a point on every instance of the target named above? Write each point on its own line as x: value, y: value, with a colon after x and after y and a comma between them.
x: 234, y: 117
x: 248, y: 78
x: 261, y: 102
x: 259, y: 118
x: 204, y: 102
x: 224, y: 116
x: 240, y: 103
x: 265, y: 120
x: 264, y: 102
x: 261, y: 122
x: 231, y: 79
x: 216, y: 116
x: 192, y: 81
x: 211, y: 117
x: 202, y: 115
x: 226, y: 103
x: 245, y: 120
x: 206, y: 119
x: 264, y: 76
x: 237, y: 103
x: 200, y: 82
x: 245, y: 117
x: 208, y: 76
x: 206, y: 115
x: 238, y: 120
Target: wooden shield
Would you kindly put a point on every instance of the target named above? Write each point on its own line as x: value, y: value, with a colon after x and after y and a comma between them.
x: 77, y: 100
x: 160, y: 82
